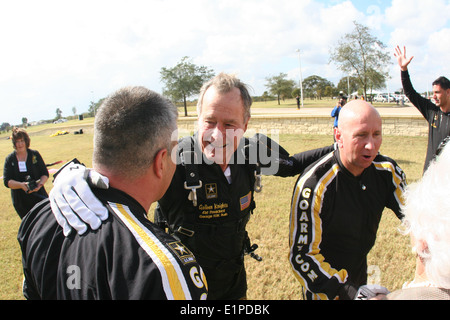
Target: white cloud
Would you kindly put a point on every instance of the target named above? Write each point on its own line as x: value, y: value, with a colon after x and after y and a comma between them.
x: 65, y: 54
x: 423, y: 28
x: 414, y: 20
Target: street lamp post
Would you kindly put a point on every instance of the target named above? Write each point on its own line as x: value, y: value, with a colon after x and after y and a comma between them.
x: 301, y: 81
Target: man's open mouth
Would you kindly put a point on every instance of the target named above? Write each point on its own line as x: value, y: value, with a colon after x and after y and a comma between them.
x: 213, y: 145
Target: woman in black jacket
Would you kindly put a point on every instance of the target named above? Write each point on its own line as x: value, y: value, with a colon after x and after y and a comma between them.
x: 24, y: 173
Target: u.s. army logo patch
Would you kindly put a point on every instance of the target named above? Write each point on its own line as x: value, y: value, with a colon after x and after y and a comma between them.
x: 182, y: 252
x: 211, y: 190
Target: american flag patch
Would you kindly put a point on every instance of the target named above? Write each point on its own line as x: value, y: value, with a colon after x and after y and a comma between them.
x: 245, y: 201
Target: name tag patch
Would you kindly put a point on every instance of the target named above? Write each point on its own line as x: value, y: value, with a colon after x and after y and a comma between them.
x: 22, y: 166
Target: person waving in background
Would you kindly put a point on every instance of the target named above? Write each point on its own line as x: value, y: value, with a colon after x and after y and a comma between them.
x: 437, y: 114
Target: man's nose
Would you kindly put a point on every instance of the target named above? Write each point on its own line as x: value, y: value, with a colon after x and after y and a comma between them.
x: 218, y: 133
x: 370, y: 143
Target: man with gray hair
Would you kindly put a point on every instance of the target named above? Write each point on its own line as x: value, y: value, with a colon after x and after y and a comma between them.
x: 128, y: 257
x: 211, y: 196
x: 427, y: 221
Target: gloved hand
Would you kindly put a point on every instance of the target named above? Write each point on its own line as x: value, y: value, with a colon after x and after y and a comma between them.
x: 73, y: 202
x: 369, y: 291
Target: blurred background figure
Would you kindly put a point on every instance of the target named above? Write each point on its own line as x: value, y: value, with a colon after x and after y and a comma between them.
x: 335, y: 112
x: 25, y: 173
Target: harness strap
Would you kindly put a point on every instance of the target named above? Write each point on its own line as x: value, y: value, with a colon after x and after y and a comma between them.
x: 258, y: 185
x: 188, y: 229
x: 189, y: 160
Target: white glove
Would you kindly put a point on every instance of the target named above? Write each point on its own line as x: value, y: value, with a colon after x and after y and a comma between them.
x: 369, y: 291
x: 72, y: 201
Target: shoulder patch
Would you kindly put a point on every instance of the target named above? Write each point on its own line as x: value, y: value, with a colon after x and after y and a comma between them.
x: 182, y: 252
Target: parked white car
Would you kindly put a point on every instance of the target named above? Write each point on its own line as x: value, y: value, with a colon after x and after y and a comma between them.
x: 393, y: 98
x: 380, y: 98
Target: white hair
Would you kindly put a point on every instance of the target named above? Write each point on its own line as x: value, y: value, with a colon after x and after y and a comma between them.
x: 224, y: 83
x: 427, y: 219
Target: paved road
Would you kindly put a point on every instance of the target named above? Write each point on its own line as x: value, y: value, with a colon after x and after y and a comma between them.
x: 407, y: 110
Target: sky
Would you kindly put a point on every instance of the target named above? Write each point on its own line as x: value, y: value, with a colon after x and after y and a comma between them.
x: 65, y: 54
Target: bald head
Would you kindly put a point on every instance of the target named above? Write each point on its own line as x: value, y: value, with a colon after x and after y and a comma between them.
x: 357, y: 110
x: 358, y: 135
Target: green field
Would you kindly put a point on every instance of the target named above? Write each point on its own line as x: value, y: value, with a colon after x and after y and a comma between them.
x: 270, y: 279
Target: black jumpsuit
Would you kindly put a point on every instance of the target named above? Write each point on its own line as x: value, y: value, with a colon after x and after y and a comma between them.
x: 214, y: 229
x: 334, y: 222
x: 127, y: 258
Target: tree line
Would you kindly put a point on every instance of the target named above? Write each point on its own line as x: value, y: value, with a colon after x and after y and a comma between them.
x: 314, y: 87
x: 358, y: 54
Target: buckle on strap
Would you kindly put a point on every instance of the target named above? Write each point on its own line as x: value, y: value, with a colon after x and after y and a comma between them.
x: 193, y: 194
x: 258, y: 185
x: 185, y: 231
x: 189, y: 160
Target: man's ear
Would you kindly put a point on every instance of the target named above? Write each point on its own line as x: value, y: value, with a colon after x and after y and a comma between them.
x: 159, y: 162
x: 246, y: 124
x: 422, y: 248
x: 338, y: 136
